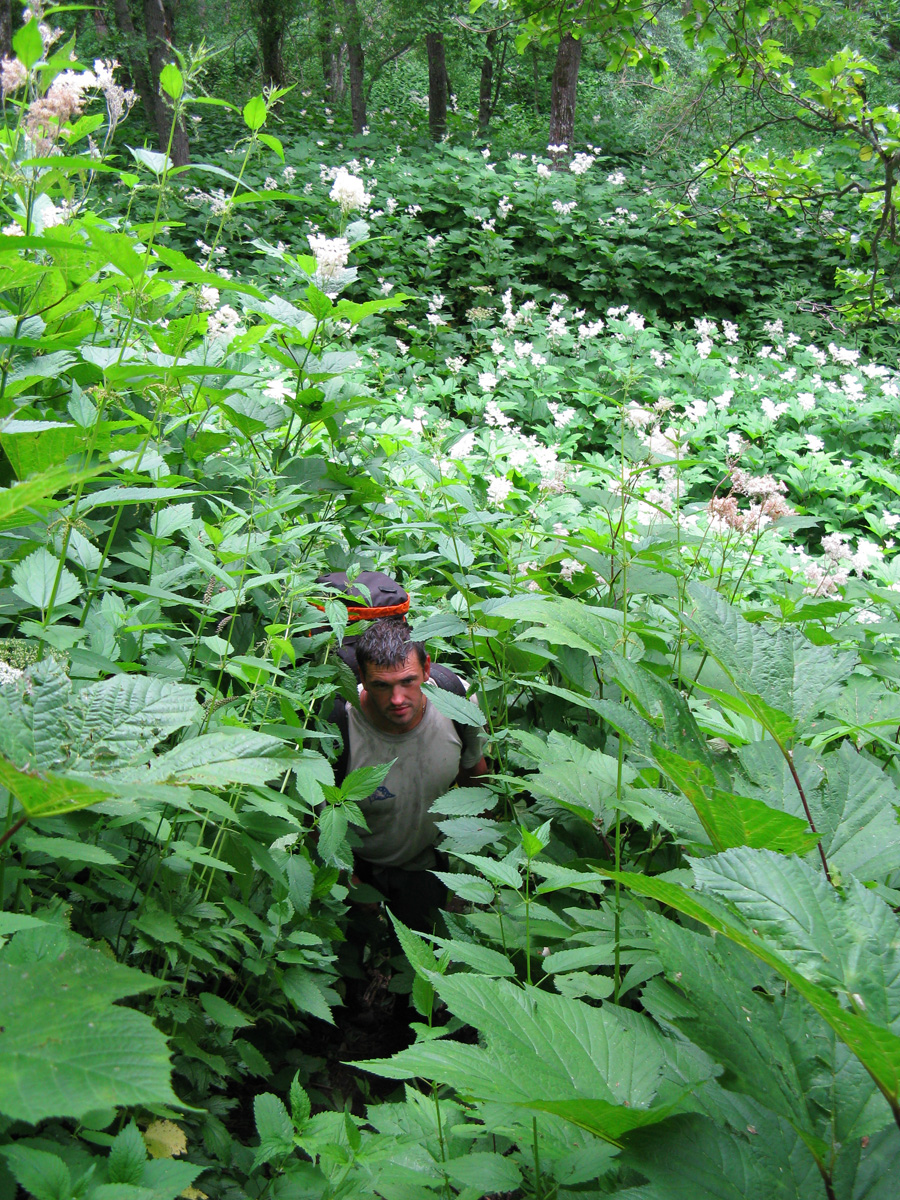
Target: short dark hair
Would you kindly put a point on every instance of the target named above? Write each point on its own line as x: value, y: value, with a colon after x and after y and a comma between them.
x: 387, y: 643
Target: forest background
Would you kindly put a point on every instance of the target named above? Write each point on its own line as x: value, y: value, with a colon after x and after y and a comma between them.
x: 581, y: 320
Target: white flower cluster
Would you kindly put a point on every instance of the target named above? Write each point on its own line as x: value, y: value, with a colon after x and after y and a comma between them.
x: 331, y: 254
x: 349, y: 192
x: 581, y: 164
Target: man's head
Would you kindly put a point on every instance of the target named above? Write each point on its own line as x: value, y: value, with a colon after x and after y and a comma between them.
x: 393, y: 668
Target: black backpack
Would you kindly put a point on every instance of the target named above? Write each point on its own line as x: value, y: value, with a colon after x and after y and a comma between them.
x: 388, y: 599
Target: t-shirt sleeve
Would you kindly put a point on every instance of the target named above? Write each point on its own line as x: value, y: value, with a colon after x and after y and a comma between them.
x: 474, y: 741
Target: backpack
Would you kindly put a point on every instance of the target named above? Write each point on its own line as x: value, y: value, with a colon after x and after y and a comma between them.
x: 389, y: 599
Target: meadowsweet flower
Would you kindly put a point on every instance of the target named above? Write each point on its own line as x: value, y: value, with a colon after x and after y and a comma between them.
x: 736, y: 444
x: 638, y: 417
x: 331, y: 254
x: 455, y: 364
x: 464, y: 446
x: 401, y: 346
x: 559, y: 530
x: 385, y: 287
x: 289, y: 174
x: 570, y: 567
x: 498, y: 489
x: 223, y: 325
x: 432, y: 243
x: 815, y: 444
x: 349, y: 192
x: 587, y: 332
x: 504, y: 207
x: 564, y: 209
x: 271, y: 184
x: 209, y: 298
x: 487, y: 381
x: 704, y: 348
x: 730, y: 332
x: 807, y: 401
x: 543, y: 171
x: 562, y: 416
x: 12, y: 75
x: 617, y: 178
x: 635, y: 320
x: 581, y: 163
x: 772, y: 411
x: 495, y: 416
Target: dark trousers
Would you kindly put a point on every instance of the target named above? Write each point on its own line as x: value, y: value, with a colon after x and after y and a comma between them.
x: 414, y: 897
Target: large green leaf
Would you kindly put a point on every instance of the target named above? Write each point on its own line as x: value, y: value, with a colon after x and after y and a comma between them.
x: 465, y: 710
x: 46, y: 794
x: 848, y: 943
x: 222, y: 759
x: 65, y: 1049
x: 773, y: 1048
x: 877, y: 1047
x: 542, y: 1049
x: 731, y: 820
x: 564, y: 622
x: 34, y: 578
x: 123, y: 718
x: 778, y: 672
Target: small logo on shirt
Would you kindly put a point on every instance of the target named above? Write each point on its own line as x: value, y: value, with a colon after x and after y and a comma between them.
x: 381, y: 793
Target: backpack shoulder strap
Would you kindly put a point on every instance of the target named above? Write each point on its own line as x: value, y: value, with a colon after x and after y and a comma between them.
x: 449, y: 681
x: 339, y: 717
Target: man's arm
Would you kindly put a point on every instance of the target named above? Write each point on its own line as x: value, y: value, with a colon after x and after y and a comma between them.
x: 467, y: 774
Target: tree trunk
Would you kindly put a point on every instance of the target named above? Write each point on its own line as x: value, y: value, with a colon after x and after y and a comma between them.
x: 136, y: 60
x: 6, y: 28
x: 564, y: 92
x: 157, y: 31
x: 437, y: 86
x: 101, y: 25
x: 270, y: 18
x: 356, y: 56
x: 326, y: 43
x: 534, y: 76
x: 486, y: 87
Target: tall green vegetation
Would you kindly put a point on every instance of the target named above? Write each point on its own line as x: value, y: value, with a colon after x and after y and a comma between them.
x: 654, y: 530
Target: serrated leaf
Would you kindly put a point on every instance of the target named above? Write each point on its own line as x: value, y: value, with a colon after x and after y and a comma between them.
x: 482, y: 959
x: 464, y: 802
x: 222, y: 759
x: 223, y: 1013
x: 34, y: 577
x: 171, y: 519
x: 877, y: 1048
x: 538, y: 1048
x: 44, y: 1176
x: 467, y: 887
x: 127, y: 1156
x: 361, y: 783
x: 68, y: 850
x: 301, y: 1108
x: 46, y: 794
x: 485, y: 1171
x: 565, y: 622
x: 456, y: 708
x: 731, y: 820
x: 67, y: 1049
x: 299, y: 985
x: 780, y: 669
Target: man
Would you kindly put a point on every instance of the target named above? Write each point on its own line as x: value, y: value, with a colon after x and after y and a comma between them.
x: 396, y: 721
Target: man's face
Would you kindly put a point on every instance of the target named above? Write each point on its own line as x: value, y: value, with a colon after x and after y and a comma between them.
x: 393, y: 695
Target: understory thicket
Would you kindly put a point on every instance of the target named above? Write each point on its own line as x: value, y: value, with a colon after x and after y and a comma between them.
x: 643, y: 491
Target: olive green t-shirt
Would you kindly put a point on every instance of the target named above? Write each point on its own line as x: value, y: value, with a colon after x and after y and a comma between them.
x: 428, y: 759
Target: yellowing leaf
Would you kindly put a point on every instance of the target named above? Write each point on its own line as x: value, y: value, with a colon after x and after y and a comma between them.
x: 165, y: 1139
x: 193, y: 1193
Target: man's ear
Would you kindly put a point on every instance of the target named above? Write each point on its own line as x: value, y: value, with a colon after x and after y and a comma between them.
x: 427, y: 667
